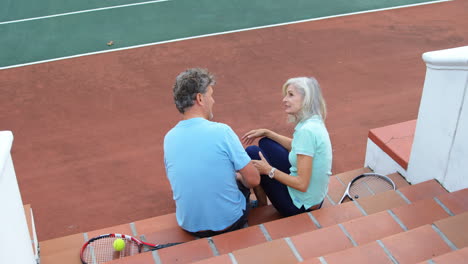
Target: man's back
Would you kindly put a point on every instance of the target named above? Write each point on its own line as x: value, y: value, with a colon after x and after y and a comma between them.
x: 201, y: 158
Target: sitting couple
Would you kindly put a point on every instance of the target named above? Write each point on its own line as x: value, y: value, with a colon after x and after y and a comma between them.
x: 211, y: 174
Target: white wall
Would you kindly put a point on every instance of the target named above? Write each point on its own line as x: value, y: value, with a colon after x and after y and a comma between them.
x: 440, y: 147
x: 380, y: 162
x: 15, y: 243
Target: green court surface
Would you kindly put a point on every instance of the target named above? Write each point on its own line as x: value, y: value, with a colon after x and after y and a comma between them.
x: 33, y: 31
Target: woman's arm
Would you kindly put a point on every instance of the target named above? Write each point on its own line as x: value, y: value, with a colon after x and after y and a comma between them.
x: 300, y: 182
x: 250, y: 136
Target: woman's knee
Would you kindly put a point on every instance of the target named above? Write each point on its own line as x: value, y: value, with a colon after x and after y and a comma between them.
x: 265, y: 142
x: 269, y: 145
x: 252, y: 151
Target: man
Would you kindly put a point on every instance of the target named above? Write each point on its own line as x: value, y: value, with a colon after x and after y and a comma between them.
x: 202, y: 158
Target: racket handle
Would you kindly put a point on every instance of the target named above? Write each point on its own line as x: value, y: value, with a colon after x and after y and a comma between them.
x: 342, y: 198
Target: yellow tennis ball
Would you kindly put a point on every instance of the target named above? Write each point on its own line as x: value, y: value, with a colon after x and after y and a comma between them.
x: 119, y: 244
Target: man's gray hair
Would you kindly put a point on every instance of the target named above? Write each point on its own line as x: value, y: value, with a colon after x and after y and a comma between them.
x: 190, y: 83
x: 313, y: 102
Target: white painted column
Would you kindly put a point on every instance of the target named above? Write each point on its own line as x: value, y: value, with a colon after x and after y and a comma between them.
x: 15, y: 243
x: 440, y: 147
x: 380, y: 162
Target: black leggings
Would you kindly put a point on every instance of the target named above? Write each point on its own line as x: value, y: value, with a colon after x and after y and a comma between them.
x: 277, y: 156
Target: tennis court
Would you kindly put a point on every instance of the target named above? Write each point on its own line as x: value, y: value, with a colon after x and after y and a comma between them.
x: 89, y: 118
x: 85, y: 27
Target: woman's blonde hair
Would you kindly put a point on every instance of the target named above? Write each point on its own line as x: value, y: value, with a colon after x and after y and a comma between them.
x: 313, y: 102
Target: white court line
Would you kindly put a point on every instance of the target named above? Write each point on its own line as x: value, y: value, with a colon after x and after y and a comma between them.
x: 219, y: 33
x: 80, y: 12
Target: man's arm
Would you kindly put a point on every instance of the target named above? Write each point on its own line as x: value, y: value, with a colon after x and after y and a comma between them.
x: 249, y: 175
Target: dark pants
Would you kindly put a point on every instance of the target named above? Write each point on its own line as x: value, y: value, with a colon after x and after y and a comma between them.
x: 277, y: 156
x: 240, y: 223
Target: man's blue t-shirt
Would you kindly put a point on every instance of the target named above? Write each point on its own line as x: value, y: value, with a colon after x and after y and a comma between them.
x: 201, y: 158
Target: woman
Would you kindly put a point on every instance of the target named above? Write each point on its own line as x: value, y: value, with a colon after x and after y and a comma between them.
x: 295, y: 172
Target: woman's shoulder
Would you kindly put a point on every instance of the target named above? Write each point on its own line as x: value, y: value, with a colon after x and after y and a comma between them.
x: 311, y: 128
x: 311, y: 123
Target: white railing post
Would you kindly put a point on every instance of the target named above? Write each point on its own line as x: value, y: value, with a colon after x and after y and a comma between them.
x: 440, y: 146
x: 15, y: 242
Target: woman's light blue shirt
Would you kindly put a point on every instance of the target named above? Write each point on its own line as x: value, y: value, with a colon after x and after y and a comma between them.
x: 311, y: 138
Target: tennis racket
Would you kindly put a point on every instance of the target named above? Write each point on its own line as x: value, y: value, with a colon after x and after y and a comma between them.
x: 365, y: 183
x: 100, y: 249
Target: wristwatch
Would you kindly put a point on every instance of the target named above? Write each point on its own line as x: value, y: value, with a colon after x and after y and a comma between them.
x: 271, y: 174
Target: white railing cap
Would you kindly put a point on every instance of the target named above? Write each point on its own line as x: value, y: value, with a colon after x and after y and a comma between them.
x: 6, y: 139
x: 456, y: 58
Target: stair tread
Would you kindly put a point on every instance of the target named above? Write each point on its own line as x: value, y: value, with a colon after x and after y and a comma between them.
x: 56, y: 245
x: 157, y: 223
x: 238, y: 239
x: 336, y: 214
x: 321, y: 242
x: 347, y: 176
x: 455, y: 257
x: 381, y: 202
x: 290, y: 226
x: 276, y: 251
x: 399, y: 181
x: 412, y: 246
x: 263, y: 214
x: 167, y: 236
x: 455, y: 228
x: 423, y: 190
x: 420, y: 213
x: 369, y: 253
x: 187, y: 252
x: 143, y: 258
x: 457, y: 201
x: 223, y: 259
x: 370, y: 228
x: 69, y: 256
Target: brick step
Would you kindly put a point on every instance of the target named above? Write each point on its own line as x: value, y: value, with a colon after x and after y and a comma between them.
x: 455, y: 257
x: 164, y: 229
x: 270, y: 233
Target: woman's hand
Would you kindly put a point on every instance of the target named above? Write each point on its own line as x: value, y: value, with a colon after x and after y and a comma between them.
x: 250, y: 136
x: 262, y: 165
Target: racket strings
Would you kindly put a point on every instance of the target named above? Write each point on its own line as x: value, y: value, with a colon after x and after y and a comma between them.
x: 102, y: 250
x: 369, y: 185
